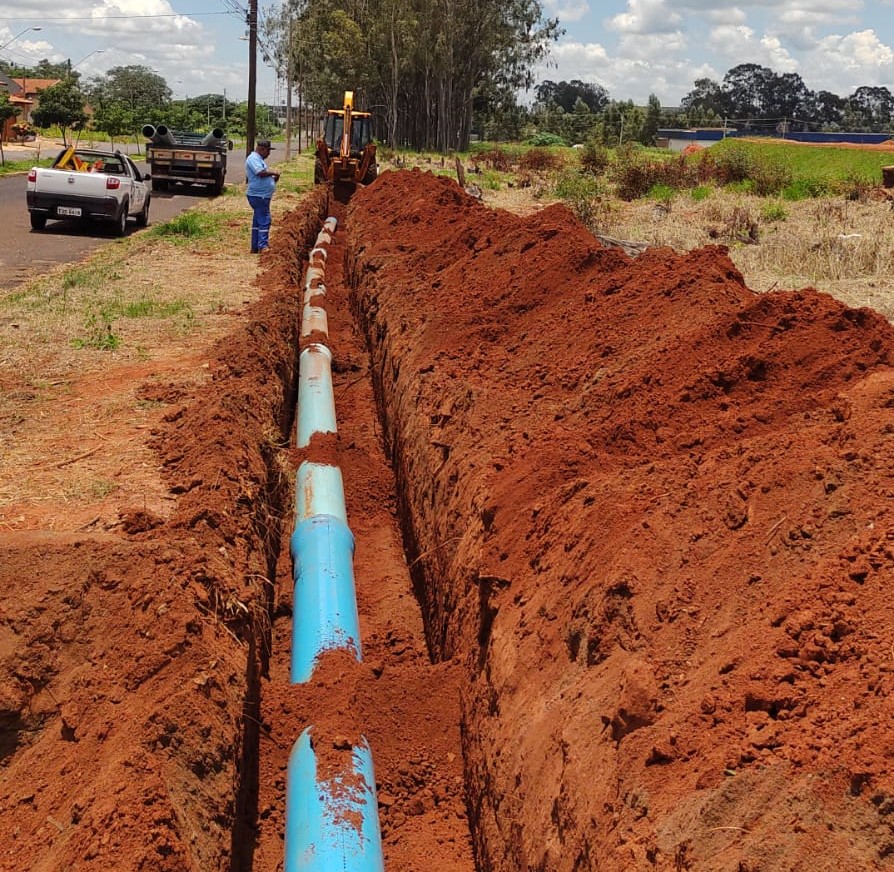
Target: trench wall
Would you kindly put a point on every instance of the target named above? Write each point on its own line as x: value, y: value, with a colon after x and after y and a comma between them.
x: 130, y: 660
x: 649, y: 509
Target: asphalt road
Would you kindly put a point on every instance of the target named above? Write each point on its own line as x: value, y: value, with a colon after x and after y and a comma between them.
x: 25, y: 253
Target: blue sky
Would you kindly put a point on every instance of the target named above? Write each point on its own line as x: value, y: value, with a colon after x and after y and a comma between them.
x: 631, y: 47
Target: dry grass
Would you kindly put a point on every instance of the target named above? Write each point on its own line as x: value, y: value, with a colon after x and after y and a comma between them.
x: 77, y: 344
x: 842, y: 247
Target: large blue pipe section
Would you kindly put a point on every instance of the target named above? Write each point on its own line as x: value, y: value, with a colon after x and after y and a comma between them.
x: 321, y: 839
x: 332, y: 825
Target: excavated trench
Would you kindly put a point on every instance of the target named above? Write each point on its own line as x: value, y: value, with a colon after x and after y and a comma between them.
x: 623, y: 552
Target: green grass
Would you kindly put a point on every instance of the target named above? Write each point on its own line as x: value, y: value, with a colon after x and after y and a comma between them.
x: 11, y: 167
x: 816, y: 165
x: 149, y: 308
x: 189, y: 226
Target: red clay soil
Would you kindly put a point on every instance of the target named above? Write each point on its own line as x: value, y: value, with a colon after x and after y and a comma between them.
x: 129, y: 658
x: 650, y: 511
x: 648, y: 519
x: 146, y: 713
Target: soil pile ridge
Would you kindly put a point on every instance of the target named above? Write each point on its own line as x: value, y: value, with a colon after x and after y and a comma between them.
x: 653, y: 510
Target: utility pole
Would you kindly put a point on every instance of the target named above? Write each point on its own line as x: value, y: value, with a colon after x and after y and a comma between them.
x: 288, y: 153
x: 251, y: 126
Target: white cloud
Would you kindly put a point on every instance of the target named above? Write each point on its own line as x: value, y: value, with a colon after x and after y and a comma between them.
x: 567, y: 10
x: 645, y: 16
x: 625, y: 78
x: 843, y: 63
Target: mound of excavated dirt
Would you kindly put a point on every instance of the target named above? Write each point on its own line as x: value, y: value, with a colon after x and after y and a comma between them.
x: 651, y: 510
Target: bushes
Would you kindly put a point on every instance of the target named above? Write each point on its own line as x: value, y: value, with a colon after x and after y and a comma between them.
x: 540, y: 159
x: 594, y: 158
x: 542, y: 140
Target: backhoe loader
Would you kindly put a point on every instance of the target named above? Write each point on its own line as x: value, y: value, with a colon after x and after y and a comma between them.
x: 346, y: 151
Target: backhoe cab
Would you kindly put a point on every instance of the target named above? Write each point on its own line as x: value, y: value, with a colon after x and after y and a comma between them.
x: 346, y: 151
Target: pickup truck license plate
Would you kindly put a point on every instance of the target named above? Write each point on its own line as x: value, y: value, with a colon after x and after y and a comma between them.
x: 73, y: 211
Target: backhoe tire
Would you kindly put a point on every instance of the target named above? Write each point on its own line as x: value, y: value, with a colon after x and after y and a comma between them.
x: 319, y: 172
x: 371, y: 175
x: 38, y: 221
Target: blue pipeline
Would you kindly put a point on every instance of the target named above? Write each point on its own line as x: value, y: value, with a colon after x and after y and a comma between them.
x: 325, y: 604
x: 319, y: 490
x: 331, y: 826
x: 316, y: 401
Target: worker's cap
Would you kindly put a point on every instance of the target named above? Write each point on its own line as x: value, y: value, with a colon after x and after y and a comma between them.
x: 264, y: 143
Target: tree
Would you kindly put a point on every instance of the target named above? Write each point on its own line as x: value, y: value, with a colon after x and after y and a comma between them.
x: 7, y: 110
x: 61, y: 104
x: 425, y: 62
x: 871, y: 108
x: 707, y: 96
x: 135, y: 91
x: 652, y: 122
x: 566, y: 94
x: 825, y: 108
x: 113, y: 119
x: 745, y: 90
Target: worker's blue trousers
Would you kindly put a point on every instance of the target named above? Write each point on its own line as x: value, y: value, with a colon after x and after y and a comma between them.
x: 260, y: 225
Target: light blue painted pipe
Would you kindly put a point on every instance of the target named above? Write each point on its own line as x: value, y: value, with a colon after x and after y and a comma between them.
x: 314, y: 274
x: 319, y: 490
x: 331, y: 826
x: 316, y: 401
x: 325, y: 605
x: 310, y: 293
x: 331, y: 223
x: 314, y: 318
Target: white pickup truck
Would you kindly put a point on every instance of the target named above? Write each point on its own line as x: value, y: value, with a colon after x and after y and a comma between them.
x: 90, y: 185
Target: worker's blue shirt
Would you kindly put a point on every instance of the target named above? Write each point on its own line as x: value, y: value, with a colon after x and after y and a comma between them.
x: 257, y: 186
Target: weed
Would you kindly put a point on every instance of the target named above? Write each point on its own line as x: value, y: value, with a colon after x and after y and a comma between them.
x: 701, y: 192
x: 805, y: 188
x: 98, y: 327
x: 189, y: 225
x: 540, y: 159
x: 89, y: 276
x: 149, y: 308
x: 102, y: 487
x: 773, y: 211
x: 594, y: 158
x: 584, y: 194
x: 661, y: 193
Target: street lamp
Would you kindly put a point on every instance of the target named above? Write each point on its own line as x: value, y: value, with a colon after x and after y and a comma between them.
x: 95, y: 51
x: 20, y: 33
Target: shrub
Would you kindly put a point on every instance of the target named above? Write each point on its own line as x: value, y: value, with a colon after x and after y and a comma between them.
x: 769, y: 177
x: 701, y: 192
x: 661, y: 193
x: 594, y: 158
x: 540, y: 159
x: 805, y: 189
x: 495, y: 158
x: 583, y: 194
x: 856, y: 187
x: 773, y: 212
x: 544, y: 139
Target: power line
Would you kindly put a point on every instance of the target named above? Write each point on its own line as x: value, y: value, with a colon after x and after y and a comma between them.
x: 118, y: 17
